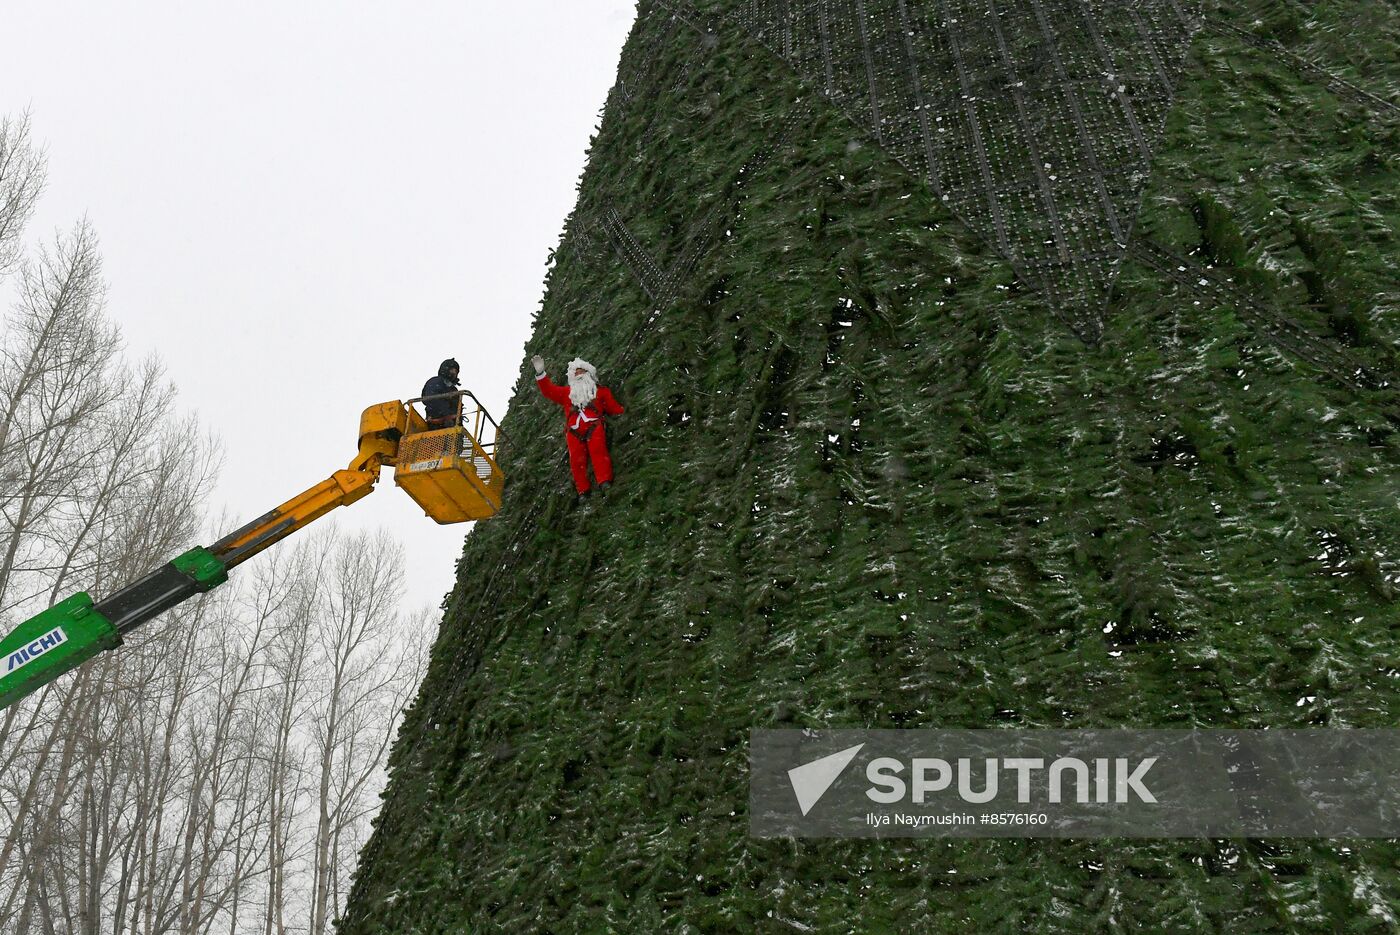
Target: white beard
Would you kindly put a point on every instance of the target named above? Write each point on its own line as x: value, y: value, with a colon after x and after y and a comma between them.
x: 582, y: 389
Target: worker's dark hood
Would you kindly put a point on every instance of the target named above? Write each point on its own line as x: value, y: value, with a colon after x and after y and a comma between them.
x: 445, y: 370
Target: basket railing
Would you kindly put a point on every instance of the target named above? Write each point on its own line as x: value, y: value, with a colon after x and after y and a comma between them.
x: 470, y: 415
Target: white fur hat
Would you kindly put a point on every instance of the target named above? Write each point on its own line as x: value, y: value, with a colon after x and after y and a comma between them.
x: 578, y: 362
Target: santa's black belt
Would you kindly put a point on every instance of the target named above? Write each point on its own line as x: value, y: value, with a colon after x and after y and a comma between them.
x: 584, y: 436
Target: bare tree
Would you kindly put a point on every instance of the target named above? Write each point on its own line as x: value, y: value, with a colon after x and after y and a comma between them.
x: 22, y: 171
x: 218, y: 773
x: 287, y: 703
x: 45, y: 462
x: 366, y: 668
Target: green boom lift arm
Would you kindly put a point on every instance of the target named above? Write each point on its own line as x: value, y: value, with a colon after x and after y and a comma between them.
x: 74, y: 630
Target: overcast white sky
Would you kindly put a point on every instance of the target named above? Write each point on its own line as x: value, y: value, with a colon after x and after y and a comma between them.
x: 303, y: 207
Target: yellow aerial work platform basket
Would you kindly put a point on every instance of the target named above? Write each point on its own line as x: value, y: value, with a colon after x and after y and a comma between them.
x: 452, y: 472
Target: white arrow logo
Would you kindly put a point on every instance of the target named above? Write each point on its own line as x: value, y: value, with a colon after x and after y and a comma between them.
x: 811, y: 780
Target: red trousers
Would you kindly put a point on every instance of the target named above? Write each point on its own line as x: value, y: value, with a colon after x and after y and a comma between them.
x: 594, y: 449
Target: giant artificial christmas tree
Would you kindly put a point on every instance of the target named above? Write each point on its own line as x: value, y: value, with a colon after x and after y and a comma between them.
x: 986, y: 363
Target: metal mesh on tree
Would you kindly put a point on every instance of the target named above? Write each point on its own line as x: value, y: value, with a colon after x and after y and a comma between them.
x: 1034, y: 120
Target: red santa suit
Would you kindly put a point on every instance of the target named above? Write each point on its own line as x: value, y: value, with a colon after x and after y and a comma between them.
x: 585, y: 403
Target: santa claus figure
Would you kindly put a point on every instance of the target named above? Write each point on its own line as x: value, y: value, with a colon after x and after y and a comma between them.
x: 585, y: 403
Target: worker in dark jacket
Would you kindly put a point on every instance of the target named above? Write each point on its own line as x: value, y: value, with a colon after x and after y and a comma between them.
x: 442, y: 413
